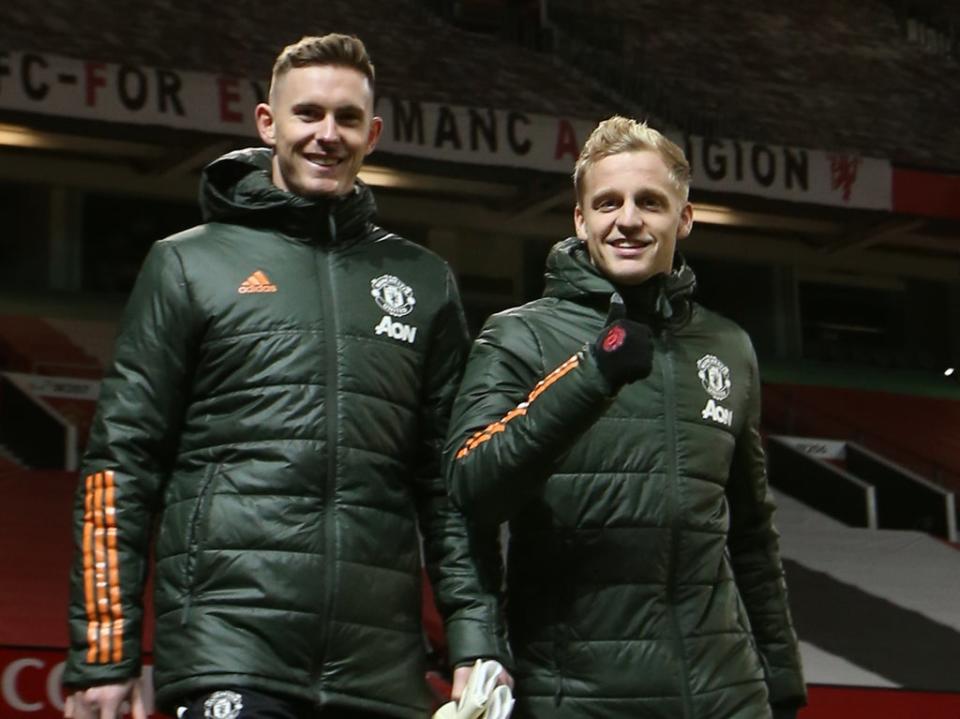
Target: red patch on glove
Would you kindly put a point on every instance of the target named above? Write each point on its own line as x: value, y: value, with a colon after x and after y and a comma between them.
x: 614, y: 339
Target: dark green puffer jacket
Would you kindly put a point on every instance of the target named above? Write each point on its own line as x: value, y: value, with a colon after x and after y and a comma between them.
x: 277, y: 404
x: 641, y: 550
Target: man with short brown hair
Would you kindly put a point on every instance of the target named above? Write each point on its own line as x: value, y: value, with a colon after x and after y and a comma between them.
x: 276, y: 407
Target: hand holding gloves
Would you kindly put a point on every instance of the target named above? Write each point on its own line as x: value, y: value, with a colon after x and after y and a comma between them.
x: 482, y: 698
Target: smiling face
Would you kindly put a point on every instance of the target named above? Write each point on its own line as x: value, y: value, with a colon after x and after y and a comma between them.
x: 630, y: 214
x: 320, y: 125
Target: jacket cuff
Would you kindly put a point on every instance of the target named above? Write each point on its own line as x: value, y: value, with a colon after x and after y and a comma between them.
x: 469, y: 639
x: 787, y: 710
x: 786, y: 689
x: 78, y: 674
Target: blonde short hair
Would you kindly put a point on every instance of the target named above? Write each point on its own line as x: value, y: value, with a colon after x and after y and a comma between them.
x: 620, y: 134
x: 332, y: 49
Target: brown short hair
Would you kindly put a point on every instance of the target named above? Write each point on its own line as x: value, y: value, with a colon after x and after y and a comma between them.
x: 332, y: 49
x: 620, y: 134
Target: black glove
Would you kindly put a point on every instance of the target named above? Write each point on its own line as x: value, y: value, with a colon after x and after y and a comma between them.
x: 624, y: 352
x: 617, y: 309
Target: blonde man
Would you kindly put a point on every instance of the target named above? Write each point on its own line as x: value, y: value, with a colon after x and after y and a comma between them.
x: 614, y: 424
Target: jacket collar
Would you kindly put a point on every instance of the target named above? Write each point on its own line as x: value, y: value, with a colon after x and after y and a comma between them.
x: 663, y: 299
x: 237, y: 188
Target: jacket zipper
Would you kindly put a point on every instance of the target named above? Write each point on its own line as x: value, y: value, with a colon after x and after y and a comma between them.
x: 670, y: 413
x: 193, y: 541
x: 330, y: 347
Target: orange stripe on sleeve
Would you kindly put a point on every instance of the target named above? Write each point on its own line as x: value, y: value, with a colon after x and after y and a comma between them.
x: 100, y: 570
x: 93, y: 630
x: 89, y: 598
x: 116, y: 603
x: 551, y: 378
x: 500, y: 425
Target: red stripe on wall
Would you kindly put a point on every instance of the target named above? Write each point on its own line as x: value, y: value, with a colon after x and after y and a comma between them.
x: 931, y: 194
x: 853, y: 702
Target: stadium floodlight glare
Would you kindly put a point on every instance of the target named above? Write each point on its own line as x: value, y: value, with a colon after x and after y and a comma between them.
x: 708, y: 214
x: 378, y: 176
x: 16, y: 136
x: 27, y: 137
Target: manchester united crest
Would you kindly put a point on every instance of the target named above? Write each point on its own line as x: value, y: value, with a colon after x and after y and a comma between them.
x: 714, y: 376
x: 392, y: 295
x: 223, y: 705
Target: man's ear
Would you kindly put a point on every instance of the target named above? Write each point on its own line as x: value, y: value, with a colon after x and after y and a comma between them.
x: 266, y: 127
x: 686, y: 221
x: 376, y: 127
x: 579, y: 223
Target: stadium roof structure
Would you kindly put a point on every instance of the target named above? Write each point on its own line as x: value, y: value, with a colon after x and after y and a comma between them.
x: 841, y: 76
x: 875, y: 77
x: 418, y: 56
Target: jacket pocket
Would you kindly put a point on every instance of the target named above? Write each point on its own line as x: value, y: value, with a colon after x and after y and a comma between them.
x: 197, y: 519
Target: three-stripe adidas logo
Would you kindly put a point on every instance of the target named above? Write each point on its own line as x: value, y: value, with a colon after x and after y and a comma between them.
x: 257, y: 282
x: 101, y: 570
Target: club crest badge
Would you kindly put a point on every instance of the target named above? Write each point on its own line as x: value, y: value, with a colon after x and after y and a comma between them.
x: 392, y: 295
x: 714, y: 376
x: 223, y: 705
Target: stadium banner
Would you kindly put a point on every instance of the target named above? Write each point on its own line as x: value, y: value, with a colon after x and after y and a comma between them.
x: 203, y: 102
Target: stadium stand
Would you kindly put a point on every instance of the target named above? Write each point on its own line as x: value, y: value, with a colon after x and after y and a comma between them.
x: 7, y: 462
x: 445, y: 64
x: 873, y: 608
x: 876, y: 610
x: 815, y: 74
x: 922, y: 433
x: 785, y: 74
x: 78, y: 412
x: 31, y: 345
x: 52, y: 387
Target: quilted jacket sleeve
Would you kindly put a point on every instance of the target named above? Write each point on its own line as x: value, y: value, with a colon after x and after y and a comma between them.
x: 465, y: 593
x: 513, y: 418
x: 131, y: 440
x: 755, y: 554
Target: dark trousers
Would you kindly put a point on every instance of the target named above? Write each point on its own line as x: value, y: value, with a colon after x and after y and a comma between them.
x: 246, y: 704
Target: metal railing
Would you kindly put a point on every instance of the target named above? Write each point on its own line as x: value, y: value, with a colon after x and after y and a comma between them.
x: 905, y: 500
x: 820, y: 485
x: 784, y: 413
x: 867, y: 491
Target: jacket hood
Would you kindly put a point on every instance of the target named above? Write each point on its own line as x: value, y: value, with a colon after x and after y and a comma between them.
x: 237, y: 188
x: 571, y: 275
